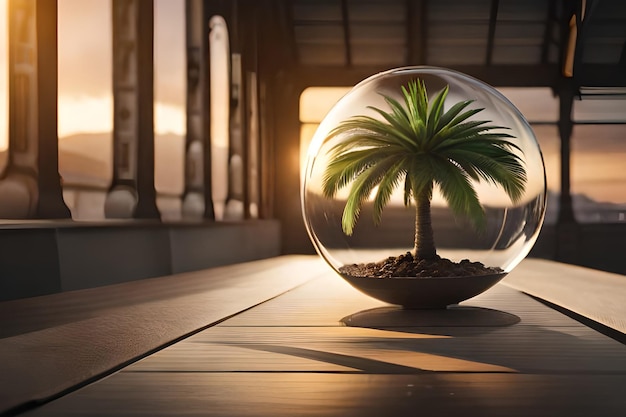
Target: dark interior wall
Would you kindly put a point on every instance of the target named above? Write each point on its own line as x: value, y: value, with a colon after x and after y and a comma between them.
x: 287, y: 207
x: 53, y: 257
x: 29, y: 264
x: 283, y: 111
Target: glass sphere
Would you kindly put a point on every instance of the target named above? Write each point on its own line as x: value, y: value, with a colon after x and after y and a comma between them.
x: 510, y: 226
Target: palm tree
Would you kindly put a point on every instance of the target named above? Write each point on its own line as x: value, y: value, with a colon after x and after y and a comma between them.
x: 418, y: 145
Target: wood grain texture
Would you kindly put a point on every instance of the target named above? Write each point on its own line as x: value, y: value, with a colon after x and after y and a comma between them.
x: 344, y: 395
x: 295, y: 355
x: 514, y: 349
x: 597, y: 295
x: 81, y: 335
x: 36, y: 313
x: 325, y: 304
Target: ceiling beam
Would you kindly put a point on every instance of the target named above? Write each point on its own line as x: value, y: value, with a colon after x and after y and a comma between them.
x: 287, y: 28
x: 416, y: 31
x: 493, y: 20
x: 496, y: 75
x: 276, y: 37
x: 551, y: 22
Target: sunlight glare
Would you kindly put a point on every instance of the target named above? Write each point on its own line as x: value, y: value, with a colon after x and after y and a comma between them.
x: 85, y: 115
x: 315, y: 102
x: 4, y: 88
x: 169, y: 119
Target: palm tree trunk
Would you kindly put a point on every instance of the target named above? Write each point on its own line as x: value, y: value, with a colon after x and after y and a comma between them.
x: 424, y: 235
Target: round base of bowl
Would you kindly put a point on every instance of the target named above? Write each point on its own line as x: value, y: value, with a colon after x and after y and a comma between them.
x: 424, y: 292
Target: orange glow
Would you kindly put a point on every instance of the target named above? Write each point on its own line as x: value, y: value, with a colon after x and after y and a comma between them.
x: 598, y: 151
x: 85, y: 98
x: 4, y: 90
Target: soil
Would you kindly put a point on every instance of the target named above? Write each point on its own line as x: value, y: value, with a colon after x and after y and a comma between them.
x: 408, y: 266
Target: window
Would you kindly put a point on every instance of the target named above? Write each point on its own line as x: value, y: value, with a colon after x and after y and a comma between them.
x: 169, y: 107
x: 4, y: 87
x: 85, y: 105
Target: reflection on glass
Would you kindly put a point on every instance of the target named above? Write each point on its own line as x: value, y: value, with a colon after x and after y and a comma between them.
x: 511, y: 227
x: 548, y: 138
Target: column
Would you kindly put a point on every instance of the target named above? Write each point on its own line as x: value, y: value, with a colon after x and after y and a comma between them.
x: 236, y: 159
x: 132, y: 193
x: 221, y: 101
x: 197, y: 201
x: 31, y: 186
x: 568, y: 233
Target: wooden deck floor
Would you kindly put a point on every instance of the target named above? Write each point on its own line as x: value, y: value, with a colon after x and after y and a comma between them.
x: 323, y: 349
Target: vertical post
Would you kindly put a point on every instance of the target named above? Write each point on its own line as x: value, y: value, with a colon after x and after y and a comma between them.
x: 253, y: 170
x: 132, y: 192
x: 218, y: 14
x: 417, y: 31
x: 286, y: 165
x: 33, y: 164
x: 567, y: 228
x: 565, y: 125
x: 266, y: 133
x: 197, y: 145
x: 249, y: 33
x: 221, y: 100
x: 235, y: 202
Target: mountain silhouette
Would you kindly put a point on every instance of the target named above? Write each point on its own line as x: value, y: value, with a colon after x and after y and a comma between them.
x: 87, y: 159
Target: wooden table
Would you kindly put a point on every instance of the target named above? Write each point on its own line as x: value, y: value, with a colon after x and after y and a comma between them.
x: 324, y: 349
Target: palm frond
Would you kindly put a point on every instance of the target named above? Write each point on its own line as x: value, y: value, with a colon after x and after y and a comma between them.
x: 365, y: 127
x: 464, y: 130
x: 504, y: 169
x: 458, y: 191
x: 360, y: 190
x: 344, y: 168
x: 436, y: 109
x: 420, y: 175
x: 419, y: 144
x: 450, y: 115
x: 396, y: 126
x: 399, y: 112
x: 407, y: 190
x: 386, y: 187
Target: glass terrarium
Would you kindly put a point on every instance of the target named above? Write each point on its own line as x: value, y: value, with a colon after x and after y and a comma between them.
x: 425, y: 177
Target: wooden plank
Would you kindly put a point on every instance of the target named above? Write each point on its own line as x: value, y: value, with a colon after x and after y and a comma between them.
x: 296, y: 355
x: 77, y: 342
x: 515, y: 349
x: 206, y: 357
x: 510, y: 349
x: 594, y: 294
x: 345, y: 395
x: 336, y: 349
x: 326, y: 303
x: 37, y: 313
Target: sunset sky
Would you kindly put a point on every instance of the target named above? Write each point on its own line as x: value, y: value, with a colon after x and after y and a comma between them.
x: 85, y: 100
x: 85, y: 71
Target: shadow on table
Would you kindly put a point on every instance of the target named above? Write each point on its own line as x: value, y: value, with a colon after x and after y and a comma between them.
x: 488, y: 336
x: 436, y: 321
